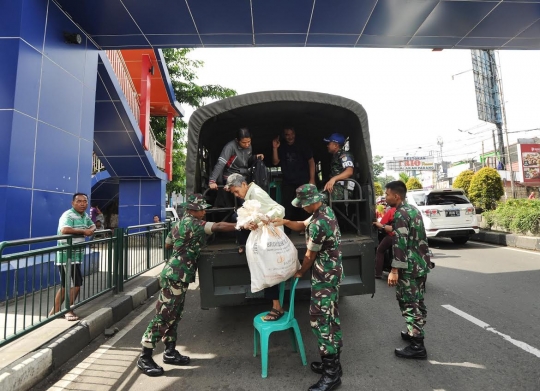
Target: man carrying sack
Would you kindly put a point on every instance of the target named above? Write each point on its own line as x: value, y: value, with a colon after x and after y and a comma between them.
x: 323, y: 253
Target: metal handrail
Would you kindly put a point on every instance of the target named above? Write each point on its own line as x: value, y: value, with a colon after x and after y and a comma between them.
x: 97, y: 166
x: 157, y: 151
x: 126, y: 83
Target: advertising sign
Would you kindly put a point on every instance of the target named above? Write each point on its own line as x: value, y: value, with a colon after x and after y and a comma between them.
x: 412, y: 163
x: 530, y: 162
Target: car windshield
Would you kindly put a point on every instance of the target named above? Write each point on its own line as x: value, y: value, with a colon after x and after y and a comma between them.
x: 170, y: 214
x: 419, y: 198
x: 447, y: 198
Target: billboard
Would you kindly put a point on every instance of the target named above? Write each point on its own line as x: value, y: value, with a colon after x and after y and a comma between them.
x: 488, y: 100
x: 411, y: 163
x: 530, y: 162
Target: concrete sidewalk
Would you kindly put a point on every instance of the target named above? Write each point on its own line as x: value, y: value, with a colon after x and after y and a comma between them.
x: 31, y: 358
x: 508, y: 239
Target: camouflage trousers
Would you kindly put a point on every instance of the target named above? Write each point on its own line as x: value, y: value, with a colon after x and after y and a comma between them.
x: 410, y: 296
x: 169, y: 308
x: 324, y: 317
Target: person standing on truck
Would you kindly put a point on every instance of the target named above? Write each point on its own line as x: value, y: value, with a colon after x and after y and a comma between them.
x: 237, y: 185
x: 186, y: 238
x: 297, y: 167
x: 410, y: 267
x: 341, y: 167
x: 324, y: 258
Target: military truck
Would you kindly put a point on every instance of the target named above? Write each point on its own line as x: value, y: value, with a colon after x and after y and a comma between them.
x: 224, y: 278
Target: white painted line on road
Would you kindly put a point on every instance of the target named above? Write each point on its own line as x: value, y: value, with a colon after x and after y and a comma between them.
x: 522, y: 345
x: 458, y: 364
x: 532, y: 252
x: 63, y: 383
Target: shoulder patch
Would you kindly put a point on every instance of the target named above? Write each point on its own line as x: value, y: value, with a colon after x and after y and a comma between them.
x: 344, y: 158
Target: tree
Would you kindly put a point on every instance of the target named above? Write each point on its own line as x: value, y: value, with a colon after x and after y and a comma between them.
x: 463, y: 181
x: 378, y: 166
x: 182, y: 71
x: 383, y: 180
x: 378, y: 189
x: 486, y: 188
x: 414, y: 184
x: 403, y: 177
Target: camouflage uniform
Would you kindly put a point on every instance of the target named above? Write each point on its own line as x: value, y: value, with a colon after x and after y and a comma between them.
x: 411, y: 257
x: 323, y: 235
x: 187, y: 237
x: 341, y: 160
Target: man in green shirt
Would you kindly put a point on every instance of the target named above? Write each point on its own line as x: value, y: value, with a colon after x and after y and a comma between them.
x: 186, y: 238
x: 410, y: 267
x: 76, y: 222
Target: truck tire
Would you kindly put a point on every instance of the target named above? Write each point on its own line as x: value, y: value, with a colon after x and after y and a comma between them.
x: 460, y: 239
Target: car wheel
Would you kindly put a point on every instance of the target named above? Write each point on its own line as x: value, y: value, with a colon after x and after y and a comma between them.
x: 460, y: 239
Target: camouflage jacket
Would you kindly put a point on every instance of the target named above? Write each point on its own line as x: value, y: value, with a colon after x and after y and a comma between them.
x: 187, y: 237
x: 340, y: 161
x: 411, y: 252
x: 323, y: 236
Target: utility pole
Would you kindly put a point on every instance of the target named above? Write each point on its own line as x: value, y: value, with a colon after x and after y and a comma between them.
x: 483, y: 157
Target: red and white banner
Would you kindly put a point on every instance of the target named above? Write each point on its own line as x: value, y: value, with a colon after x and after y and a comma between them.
x: 529, y: 159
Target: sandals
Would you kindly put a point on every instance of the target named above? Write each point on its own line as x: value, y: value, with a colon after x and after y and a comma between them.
x: 273, y: 315
x: 241, y: 249
x: 71, y: 317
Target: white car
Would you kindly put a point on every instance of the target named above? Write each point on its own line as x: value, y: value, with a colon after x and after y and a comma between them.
x: 446, y: 213
x: 171, y: 214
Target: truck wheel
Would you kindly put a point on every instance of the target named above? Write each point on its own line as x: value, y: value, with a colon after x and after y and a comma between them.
x: 460, y: 239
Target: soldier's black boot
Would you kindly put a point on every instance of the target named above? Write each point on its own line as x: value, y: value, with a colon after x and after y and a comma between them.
x: 330, y: 378
x: 147, y: 364
x: 317, y: 367
x: 172, y: 356
x: 405, y: 336
x: 415, y: 350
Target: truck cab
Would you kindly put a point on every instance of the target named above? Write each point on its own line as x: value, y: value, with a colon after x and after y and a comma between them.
x: 224, y: 277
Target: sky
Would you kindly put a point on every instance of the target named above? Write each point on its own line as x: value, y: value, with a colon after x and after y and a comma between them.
x: 413, y: 97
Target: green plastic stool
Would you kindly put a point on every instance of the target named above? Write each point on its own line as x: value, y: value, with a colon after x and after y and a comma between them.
x: 276, y: 185
x: 286, y: 322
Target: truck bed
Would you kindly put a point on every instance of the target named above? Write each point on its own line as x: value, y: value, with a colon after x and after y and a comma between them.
x: 224, y: 277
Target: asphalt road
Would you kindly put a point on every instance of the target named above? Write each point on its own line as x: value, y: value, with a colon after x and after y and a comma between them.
x: 483, y: 333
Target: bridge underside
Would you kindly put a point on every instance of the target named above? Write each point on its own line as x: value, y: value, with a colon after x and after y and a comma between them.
x: 445, y: 24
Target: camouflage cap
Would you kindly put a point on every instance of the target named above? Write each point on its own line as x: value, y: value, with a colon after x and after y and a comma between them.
x: 195, y: 202
x: 307, y: 195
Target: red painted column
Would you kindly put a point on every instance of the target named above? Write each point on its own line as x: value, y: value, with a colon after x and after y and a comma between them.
x: 169, y: 146
x: 144, y: 120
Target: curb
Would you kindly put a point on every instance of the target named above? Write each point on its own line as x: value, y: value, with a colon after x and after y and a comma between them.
x: 506, y: 239
x: 29, y: 370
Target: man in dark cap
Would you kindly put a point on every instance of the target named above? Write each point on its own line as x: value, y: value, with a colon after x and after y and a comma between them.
x: 186, y: 238
x: 341, y: 167
x: 323, y: 239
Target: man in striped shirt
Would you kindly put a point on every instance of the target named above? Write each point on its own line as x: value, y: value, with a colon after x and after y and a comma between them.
x: 76, y: 222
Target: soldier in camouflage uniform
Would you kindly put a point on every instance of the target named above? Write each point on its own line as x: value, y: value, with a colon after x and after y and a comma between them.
x: 323, y: 256
x: 410, y: 267
x: 341, y: 167
x: 186, y: 239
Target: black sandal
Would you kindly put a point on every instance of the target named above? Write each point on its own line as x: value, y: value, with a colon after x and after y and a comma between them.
x: 273, y: 315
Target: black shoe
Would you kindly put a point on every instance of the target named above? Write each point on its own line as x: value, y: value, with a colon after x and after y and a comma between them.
x: 415, y: 350
x: 330, y: 378
x: 147, y: 364
x: 317, y: 366
x: 172, y: 356
x: 406, y: 336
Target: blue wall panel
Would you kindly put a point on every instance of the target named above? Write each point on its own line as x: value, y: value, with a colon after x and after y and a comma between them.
x: 6, y: 119
x: 8, y: 71
x: 17, y: 213
x: 47, y: 207
x: 10, y: 19
x: 85, y: 166
x: 28, y: 80
x: 33, y: 21
x: 64, y: 111
x: 2, y: 209
x: 21, y: 158
x: 139, y: 201
x: 88, y: 113
x: 57, y: 155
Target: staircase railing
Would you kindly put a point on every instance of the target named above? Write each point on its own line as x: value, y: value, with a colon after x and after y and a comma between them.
x: 97, y: 166
x: 157, y: 150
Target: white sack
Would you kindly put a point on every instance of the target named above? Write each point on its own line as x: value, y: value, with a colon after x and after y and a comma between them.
x: 272, y: 257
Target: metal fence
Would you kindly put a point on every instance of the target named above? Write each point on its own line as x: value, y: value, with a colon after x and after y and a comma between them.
x: 31, y: 288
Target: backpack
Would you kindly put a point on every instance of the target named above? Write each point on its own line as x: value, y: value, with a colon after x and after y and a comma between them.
x: 260, y: 175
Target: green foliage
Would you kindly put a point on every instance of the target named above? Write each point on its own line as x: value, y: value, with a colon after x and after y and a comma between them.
x: 413, y: 184
x: 380, y: 209
x: 182, y: 71
x: 378, y: 165
x: 403, y: 177
x: 378, y: 189
x: 518, y: 216
x: 463, y: 181
x: 486, y: 188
